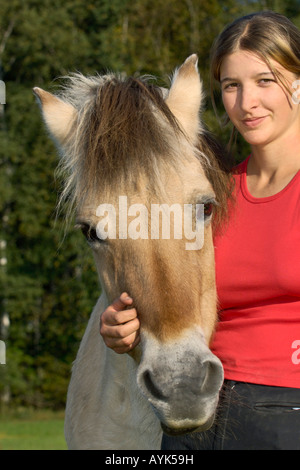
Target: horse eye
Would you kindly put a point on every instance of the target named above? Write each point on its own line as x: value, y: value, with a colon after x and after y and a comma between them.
x: 92, y: 236
x: 89, y: 233
x: 208, y: 209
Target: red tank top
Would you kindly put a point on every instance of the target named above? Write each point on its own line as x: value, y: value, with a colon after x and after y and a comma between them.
x: 258, y: 284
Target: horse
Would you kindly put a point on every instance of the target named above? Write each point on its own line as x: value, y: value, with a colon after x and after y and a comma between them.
x: 126, y: 139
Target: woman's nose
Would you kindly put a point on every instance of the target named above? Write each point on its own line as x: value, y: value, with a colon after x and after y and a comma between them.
x: 248, y: 99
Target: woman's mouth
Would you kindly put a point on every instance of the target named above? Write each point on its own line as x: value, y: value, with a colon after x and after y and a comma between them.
x: 253, y: 122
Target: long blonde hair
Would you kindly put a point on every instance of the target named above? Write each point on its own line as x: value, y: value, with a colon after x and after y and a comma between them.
x: 268, y: 34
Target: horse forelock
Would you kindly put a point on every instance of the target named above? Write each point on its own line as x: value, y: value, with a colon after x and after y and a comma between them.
x: 124, y: 127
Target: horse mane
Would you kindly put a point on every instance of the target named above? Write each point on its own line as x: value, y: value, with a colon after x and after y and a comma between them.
x: 124, y: 124
x: 219, y: 174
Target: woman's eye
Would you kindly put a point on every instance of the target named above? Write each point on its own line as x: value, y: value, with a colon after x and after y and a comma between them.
x: 266, y: 81
x: 230, y: 86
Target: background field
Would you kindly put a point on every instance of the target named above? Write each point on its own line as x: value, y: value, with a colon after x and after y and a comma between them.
x: 32, y: 430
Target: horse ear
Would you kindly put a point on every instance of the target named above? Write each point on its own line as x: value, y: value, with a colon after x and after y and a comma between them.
x: 186, y: 95
x: 58, y: 115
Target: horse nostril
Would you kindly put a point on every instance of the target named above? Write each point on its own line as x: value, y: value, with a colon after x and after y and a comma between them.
x: 211, y: 377
x: 151, y: 387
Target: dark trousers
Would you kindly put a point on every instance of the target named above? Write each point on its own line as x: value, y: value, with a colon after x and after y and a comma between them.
x: 249, y: 417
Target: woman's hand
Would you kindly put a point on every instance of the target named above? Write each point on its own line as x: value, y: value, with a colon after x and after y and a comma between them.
x: 119, y: 325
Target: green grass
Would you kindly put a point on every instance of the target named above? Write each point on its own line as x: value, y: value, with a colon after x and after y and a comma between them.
x: 32, y: 430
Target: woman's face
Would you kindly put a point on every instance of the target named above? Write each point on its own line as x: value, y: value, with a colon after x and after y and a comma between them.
x: 256, y: 103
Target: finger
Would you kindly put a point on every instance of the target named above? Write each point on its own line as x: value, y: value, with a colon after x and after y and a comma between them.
x: 121, y: 349
x: 121, y: 344
x: 136, y: 341
x: 121, y: 302
x: 119, y: 331
x: 112, y: 318
x: 124, y: 330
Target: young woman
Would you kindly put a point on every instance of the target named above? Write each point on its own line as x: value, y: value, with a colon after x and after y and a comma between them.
x: 256, y: 61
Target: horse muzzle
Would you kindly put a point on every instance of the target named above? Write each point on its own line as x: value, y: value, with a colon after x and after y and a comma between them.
x: 181, y: 380
x: 179, y: 432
